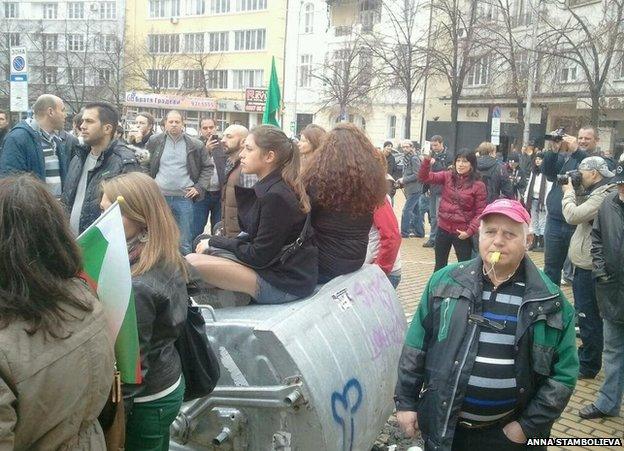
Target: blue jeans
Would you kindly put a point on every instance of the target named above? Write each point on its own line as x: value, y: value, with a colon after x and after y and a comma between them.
x: 423, y: 207
x: 589, y: 321
x: 409, y: 217
x: 210, y: 205
x: 434, y: 205
x: 394, y: 279
x: 610, y: 394
x: 556, y: 243
x: 182, y: 209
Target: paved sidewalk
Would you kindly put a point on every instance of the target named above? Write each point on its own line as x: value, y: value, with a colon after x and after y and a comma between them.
x: 418, y: 263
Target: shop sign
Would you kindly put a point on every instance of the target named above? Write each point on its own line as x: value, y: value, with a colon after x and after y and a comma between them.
x: 169, y: 101
x: 255, y: 100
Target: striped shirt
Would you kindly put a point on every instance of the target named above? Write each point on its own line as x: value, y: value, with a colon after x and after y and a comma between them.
x: 491, y: 390
x: 52, y: 168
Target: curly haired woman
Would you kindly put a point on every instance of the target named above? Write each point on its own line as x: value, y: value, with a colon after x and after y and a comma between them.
x: 346, y: 184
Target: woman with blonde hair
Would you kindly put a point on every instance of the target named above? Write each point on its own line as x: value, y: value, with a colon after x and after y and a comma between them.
x: 273, y: 215
x: 311, y: 139
x: 159, y: 277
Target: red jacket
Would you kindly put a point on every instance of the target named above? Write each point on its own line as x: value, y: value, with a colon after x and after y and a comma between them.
x: 386, y: 239
x: 461, y: 203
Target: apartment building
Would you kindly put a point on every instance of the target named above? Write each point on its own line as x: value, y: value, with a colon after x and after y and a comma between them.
x: 326, y: 48
x: 74, y: 48
x: 207, y: 58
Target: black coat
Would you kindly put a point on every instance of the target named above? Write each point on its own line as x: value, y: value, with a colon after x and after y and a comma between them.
x: 554, y: 164
x: 608, y: 258
x: 494, y: 175
x: 269, y: 213
x: 116, y: 159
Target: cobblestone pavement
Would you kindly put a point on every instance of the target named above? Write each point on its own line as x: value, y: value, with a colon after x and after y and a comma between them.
x: 418, y: 263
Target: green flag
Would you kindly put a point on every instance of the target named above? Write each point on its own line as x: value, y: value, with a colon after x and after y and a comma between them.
x: 273, y: 99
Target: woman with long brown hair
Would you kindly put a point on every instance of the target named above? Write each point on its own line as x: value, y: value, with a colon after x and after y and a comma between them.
x: 56, y: 357
x: 311, y: 139
x: 272, y: 215
x: 159, y: 277
x: 346, y: 184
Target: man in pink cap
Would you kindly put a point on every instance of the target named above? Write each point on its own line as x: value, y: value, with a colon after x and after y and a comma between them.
x: 490, y: 358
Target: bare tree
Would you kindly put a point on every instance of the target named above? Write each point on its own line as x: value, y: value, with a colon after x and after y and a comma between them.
x: 588, y: 41
x: 112, y: 69
x: 347, y: 77
x: 396, y: 47
x: 152, y: 68
x: 452, y: 47
x: 206, y: 63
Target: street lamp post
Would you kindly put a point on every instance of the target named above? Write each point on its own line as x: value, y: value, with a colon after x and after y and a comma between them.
x: 297, y: 66
x: 532, y: 74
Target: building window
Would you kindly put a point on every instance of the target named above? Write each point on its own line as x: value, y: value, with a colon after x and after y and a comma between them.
x: 568, y: 72
x: 219, y: 6
x: 192, y: 79
x: 164, y: 8
x: 243, y: 79
x: 369, y: 13
x: 75, y: 76
x: 194, y: 42
x: 163, y: 43
x: 250, y: 5
x: 75, y: 42
x: 522, y: 63
x: 479, y: 72
x: 195, y: 7
x: 163, y: 78
x: 219, y: 41
x: 14, y: 40
x: 308, y: 18
x: 106, y: 43
x: 50, y: 10
x: 305, y: 71
x: 104, y: 77
x: 250, y: 39
x: 340, y: 63
x: 49, y: 75
x: 108, y: 11
x: 49, y: 42
x: 11, y: 10
x: 392, y: 127
x: 217, y: 79
x: 521, y: 13
x: 487, y: 11
x: 75, y: 10
x: 573, y: 3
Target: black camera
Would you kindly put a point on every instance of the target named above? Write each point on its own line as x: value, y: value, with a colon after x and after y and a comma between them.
x: 575, y: 177
x: 556, y: 135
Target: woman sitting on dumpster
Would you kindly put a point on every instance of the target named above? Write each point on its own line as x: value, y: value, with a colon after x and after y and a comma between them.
x: 273, y: 260
x: 159, y: 276
x: 346, y: 184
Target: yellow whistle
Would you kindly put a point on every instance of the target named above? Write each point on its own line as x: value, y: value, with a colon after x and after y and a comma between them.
x: 495, y: 257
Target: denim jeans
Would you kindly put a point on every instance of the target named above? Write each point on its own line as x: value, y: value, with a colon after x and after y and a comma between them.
x: 589, y: 321
x: 394, y: 279
x: 538, y: 219
x: 409, y: 217
x: 610, y: 394
x: 434, y: 205
x: 210, y: 205
x: 556, y: 243
x: 490, y: 438
x: 423, y: 208
x: 182, y: 209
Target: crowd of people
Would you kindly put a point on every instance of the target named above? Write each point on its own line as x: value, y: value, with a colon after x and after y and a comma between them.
x: 490, y: 356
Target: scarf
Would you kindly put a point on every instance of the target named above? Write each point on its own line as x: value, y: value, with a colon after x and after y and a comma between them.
x: 542, y: 192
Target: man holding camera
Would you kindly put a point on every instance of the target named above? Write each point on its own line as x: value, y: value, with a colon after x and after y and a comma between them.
x: 411, y: 222
x: 562, y: 158
x: 607, y: 251
x: 583, y: 195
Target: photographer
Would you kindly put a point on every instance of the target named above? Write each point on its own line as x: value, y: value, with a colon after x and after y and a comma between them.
x: 411, y: 223
x: 563, y: 157
x: 583, y: 195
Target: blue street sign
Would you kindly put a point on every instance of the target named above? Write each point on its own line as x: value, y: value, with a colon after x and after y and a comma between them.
x: 19, y: 77
x: 19, y: 63
x: 496, y: 112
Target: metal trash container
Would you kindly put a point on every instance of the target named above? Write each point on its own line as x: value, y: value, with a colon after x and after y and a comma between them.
x: 315, y: 374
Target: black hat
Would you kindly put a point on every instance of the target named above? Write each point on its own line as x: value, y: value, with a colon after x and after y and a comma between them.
x: 619, y: 174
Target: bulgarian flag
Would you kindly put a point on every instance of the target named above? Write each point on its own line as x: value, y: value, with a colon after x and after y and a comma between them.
x: 107, y: 268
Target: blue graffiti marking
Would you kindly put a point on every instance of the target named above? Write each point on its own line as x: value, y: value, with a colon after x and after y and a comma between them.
x: 350, y: 400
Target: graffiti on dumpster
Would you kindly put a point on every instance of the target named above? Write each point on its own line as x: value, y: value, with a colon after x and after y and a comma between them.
x: 374, y: 294
x: 344, y: 406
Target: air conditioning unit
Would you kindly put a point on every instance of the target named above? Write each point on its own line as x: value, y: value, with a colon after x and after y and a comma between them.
x: 94, y: 6
x: 175, y: 20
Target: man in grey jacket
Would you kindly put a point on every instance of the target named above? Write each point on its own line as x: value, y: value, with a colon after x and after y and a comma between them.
x: 579, y: 207
x: 182, y: 170
x: 411, y: 221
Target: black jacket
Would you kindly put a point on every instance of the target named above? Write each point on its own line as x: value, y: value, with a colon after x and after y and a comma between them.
x: 198, y: 161
x: 554, y: 164
x: 608, y: 258
x: 117, y: 159
x: 494, y: 175
x: 219, y: 158
x: 269, y: 213
x: 161, y: 301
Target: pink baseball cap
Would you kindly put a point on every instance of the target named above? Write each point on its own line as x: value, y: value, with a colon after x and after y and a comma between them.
x: 508, y: 207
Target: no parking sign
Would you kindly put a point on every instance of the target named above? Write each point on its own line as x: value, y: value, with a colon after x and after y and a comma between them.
x: 19, y: 79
